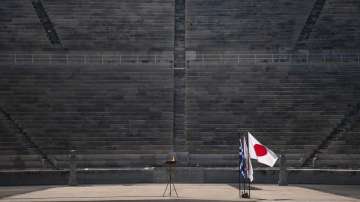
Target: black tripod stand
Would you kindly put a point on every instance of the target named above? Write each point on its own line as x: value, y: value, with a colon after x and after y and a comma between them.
x: 170, y: 169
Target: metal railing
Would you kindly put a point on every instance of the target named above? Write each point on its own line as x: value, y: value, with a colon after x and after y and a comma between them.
x: 202, y: 59
x: 243, y: 59
x: 71, y: 59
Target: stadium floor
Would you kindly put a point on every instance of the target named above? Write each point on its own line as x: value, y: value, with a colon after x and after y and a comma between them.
x: 187, y: 192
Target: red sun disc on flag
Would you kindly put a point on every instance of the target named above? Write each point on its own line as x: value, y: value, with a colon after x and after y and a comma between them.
x: 260, y: 150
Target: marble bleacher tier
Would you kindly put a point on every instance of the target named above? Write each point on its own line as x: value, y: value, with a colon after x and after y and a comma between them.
x: 20, y: 27
x: 114, y: 25
x: 289, y: 108
x: 118, y: 110
x: 248, y: 25
x: 342, y: 152
x: 121, y: 115
x: 337, y: 27
x: 148, y: 25
x: 15, y: 152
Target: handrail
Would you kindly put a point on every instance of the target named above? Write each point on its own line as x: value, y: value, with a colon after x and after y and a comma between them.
x: 119, y: 59
x: 69, y: 59
x: 257, y: 58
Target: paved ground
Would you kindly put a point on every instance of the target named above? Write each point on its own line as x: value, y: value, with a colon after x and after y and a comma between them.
x: 187, y: 192
x: 349, y: 190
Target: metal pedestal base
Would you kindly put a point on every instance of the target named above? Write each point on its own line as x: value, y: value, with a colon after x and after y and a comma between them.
x: 170, y: 182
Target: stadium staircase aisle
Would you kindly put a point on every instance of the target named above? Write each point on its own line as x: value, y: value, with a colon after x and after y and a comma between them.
x: 21, y: 29
x: 337, y: 27
x: 16, y: 152
x: 334, y: 138
x: 343, y: 150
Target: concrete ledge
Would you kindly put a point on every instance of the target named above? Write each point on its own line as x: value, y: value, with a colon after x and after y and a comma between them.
x: 183, y: 175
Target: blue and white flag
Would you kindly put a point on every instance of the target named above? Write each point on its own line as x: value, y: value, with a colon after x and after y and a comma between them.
x: 242, y: 160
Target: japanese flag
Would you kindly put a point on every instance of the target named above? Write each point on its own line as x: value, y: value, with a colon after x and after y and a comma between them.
x: 261, y: 153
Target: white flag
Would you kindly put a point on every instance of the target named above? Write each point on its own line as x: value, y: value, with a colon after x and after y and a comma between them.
x: 249, y: 169
x: 258, y: 151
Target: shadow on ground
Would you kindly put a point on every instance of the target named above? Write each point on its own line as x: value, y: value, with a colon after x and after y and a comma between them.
x: 252, y: 187
x: 15, y: 190
x: 351, y: 191
x: 179, y: 199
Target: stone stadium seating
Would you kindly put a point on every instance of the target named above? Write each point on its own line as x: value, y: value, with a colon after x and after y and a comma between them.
x: 337, y: 27
x: 289, y: 108
x: 148, y: 25
x: 130, y: 26
x: 120, y: 112
x: 15, y: 152
x: 343, y: 152
x: 115, y: 95
x: 113, y: 25
x: 20, y: 28
x: 218, y: 25
x: 120, y: 115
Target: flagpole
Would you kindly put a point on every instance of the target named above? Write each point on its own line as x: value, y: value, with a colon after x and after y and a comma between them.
x: 244, y: 182
x: 239, y: 180
x: 249, y: 187
x: 247, y: 163
x: 244, y: 177
x: 248, y: 159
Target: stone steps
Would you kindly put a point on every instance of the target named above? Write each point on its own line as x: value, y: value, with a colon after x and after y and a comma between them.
x: 18, y: 161
x: 342, y: 18
x: 283, y: 108
x: 123, y: 25
x: 231, y: 160
x: 128, y: 109
x: 111, y: 160
x: 339, y: 163
x: 111, y: 110
x: 135, y: 150
x: 21, y: 16
x: 230, y: 25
